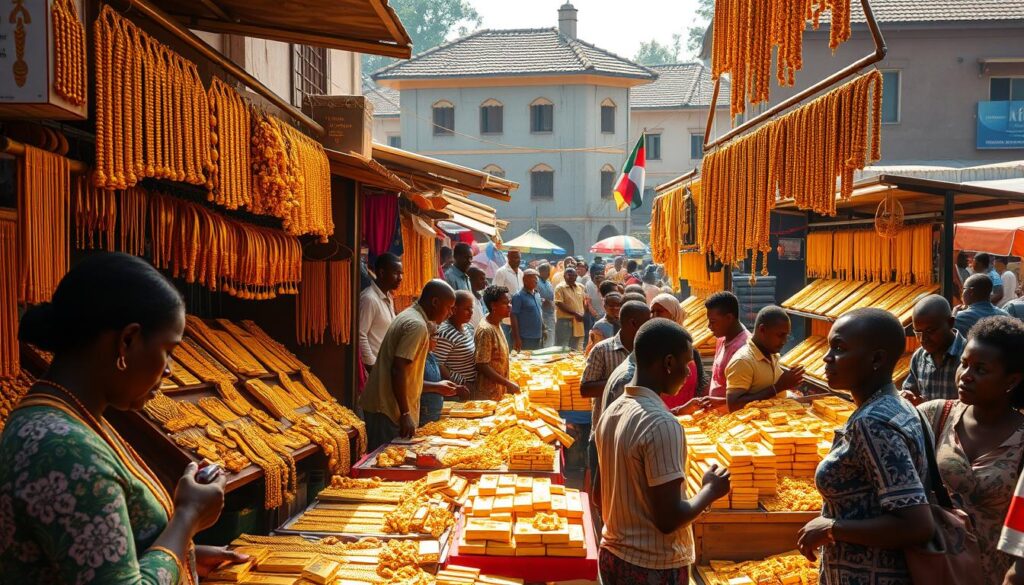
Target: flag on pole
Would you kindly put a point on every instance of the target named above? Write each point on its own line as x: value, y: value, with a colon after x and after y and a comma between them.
x: 629, y: 188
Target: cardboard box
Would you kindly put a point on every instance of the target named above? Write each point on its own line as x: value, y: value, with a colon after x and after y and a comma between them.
x: 347, y: 120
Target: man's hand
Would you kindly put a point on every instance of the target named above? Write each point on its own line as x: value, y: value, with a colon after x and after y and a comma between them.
x: 462, y: 392
x: 911, y: 397
x: 790, y: 379
x: 448, y: 388
x: 512, y: 387
x: 717, y: 481
x: 406, y: 426
x: 813, y: 536
x: 692, y: 405
x: 517, y: 343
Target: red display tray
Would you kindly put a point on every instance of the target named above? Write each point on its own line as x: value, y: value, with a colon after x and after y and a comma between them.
x: 534, y: 569
x: 365, y: 468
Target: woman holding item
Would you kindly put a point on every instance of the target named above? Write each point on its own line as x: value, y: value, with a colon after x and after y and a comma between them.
x: 667, y: 306
x: 492, y: 381
x: 875, y: 502
x: 77, y: 504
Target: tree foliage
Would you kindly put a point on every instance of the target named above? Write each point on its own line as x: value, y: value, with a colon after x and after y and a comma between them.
x: 654, y: 53
x: 429, y: 23
x: 695, y: 33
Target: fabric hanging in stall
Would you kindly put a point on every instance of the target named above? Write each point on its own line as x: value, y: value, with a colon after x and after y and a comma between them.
x: 380, y: 221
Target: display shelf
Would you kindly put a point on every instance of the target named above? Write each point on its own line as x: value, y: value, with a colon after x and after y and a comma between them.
x: 287, y: 528
x: 809, y: 315
x: 535, y: 569
x: 829, y: 299
x: 366, y: 468
x: 744, y: 535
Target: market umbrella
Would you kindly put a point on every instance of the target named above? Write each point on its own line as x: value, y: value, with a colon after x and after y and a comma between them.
x: 488, y: 258
x: 620, y: 245
x: 530, y: 242
x: 1003, y: 236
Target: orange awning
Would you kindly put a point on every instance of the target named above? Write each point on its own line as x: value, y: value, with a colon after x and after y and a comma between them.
x: 1003, y: 236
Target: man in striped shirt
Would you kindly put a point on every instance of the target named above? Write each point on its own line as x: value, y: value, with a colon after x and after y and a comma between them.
x: 455, y: 348
x: 646, y: 536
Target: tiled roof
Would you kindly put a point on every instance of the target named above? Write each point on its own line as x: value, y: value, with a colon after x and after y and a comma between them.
x: 941, y: 10
x: 519, y: 52
x: 385, y: 100
x: 681, y: 85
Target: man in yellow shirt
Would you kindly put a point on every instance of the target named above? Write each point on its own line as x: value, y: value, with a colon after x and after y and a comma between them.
x: 569, y: 307
x: 391, y: 400
x: 754, y: 372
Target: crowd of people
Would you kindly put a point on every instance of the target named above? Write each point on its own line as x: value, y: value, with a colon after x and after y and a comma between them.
x: 77, y: 503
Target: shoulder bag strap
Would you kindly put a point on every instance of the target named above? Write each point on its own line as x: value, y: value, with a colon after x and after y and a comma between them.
x: 947, y: 407
x: 934, y: 479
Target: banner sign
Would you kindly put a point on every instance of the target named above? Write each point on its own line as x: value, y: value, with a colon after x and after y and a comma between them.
x: 1001, y: 124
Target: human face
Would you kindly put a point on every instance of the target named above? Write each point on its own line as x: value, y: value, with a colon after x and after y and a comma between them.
x: 597, y: 278
x: 391, y: 277
x: 677, y: 368
x: 514, y: 259
x: 463, y: 311
x: 478, y: 280
x: 659, y: 311
x: 502, y: 307
x: 147, y: 356
x: 545, y: 271
x: 440, y: 309
x: 581, y: 270
x: 570, y: 277
x: 982, y: 377
x: 774, y: 337
x: 611, y: 308
x: 935, y: 333
x: 463, y: 258
x: 530, y: 282
x: 720, y: 322
x: 848, y: 362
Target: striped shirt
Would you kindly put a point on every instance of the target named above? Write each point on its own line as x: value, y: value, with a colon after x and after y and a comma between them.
x: 933, y: 381
x: 456, y: 350
x: 640, y: 445
x: 1011, y: 541
x: 603, y: 358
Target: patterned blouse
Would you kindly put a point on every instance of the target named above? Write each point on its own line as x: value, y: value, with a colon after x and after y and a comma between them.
x: 984, y: 486
x: 71, y: 511
x: 491, y: 348
x: 875, y: 467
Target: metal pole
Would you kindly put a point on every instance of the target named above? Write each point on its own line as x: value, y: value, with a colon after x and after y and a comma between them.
x: 946, y: 245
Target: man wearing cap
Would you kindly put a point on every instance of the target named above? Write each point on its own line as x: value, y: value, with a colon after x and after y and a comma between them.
x: 526, y: 315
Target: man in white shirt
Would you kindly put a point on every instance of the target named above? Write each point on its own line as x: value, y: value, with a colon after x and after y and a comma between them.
x: 377, y: 306
x: 510, y: 277
x: 478, y: 282
x: 1009, y: 280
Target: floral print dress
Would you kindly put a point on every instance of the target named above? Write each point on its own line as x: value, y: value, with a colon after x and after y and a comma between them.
x: 984, y: 487
x: 874, y: 468
x: 71, y: 511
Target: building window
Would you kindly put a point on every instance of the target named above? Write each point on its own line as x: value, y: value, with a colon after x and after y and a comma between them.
x: 891, y: 97
x: 1005, y: 89
x: 309, y: 72
x: 542, y: 116
x: 652, y: 146
x: 608, y: 117
x: 542, y: 182
x: 495, y: 171
x: 395, y: 141
x: 491, y: 117
x: 696, y: 146
x: 607, y: 181
x: 444, y: 119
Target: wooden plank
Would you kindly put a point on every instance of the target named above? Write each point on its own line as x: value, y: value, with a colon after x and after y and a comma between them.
x: 745, y: 536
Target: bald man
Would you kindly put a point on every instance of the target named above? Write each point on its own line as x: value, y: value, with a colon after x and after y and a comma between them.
x: 391, y: 400
x: 933, y: 366
x: 977, y: 304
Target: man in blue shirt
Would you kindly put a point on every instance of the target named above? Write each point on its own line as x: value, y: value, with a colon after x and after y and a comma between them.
x: 456, y: 274
x: 977, y: 303
x: 527, y: 322
x: 983, y: 265
x: 547, y: 295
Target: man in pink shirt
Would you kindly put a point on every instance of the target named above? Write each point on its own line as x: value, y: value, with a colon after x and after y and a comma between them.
x: 724, y: 321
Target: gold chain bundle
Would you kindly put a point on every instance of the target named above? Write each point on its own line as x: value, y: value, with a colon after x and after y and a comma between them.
x: 864, y: 255
x: 669, y: 226
x: 9, y: 351
x: 798, y: 156
x: 694, y: 268
x: 69, y: 52
x: 275, y: 182
x: 313, y: 215
x: 419, y: 263
x: 747, y: 30
x: 245, y: 261
x: 95, y: 216
x: 44, y: 200
x: 152, y: 119
x: 231, y: 180
x: 819, y: 255
x: 311, y: 304
x: 339, y: 300
x: 12, y: 388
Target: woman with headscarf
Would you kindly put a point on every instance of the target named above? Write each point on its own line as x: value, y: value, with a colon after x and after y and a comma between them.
x: 668, y: 307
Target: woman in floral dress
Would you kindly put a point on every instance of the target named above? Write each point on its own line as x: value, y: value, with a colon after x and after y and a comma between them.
x: 77, y: 505
x: 875, y: 504
x: 979, y: 438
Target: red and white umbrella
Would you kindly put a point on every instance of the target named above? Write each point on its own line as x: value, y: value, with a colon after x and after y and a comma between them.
x: 621, y: 245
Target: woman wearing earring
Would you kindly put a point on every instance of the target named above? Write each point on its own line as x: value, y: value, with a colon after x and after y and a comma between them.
x: 77, y: 504
x: 875, y: 502
x: 979, y: 438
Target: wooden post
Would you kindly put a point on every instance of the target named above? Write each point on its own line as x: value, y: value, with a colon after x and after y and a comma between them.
x: 946, y: 246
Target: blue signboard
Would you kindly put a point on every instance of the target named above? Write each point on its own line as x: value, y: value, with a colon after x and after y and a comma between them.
x: 1001, y: 124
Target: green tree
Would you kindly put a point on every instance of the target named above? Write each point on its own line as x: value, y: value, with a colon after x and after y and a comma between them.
x: 695, y: 33
x: 429, y: 23
x: 654, y: 53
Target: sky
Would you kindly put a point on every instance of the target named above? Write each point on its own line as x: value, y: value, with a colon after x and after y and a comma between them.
x: 615, y: 25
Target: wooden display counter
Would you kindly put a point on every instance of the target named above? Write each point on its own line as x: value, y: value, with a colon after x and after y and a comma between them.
x: 366, y: 468
x: 741, y: 535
